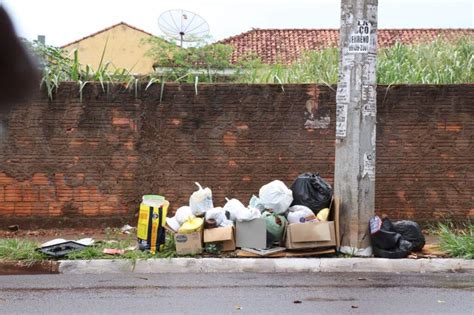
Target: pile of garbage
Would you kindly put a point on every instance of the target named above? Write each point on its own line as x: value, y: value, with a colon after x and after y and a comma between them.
x: 302, y: 217
x: 307, y: 200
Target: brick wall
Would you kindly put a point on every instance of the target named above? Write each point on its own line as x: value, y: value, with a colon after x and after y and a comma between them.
x: 70, y: 162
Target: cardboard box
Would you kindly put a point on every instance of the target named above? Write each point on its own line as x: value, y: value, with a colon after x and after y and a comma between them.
x: 187, y: 244
x: 223, y: 236
x: 251, y: 234
x: 315, y: 234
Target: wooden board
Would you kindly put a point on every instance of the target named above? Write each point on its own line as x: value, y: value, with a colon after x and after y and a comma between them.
x: 242, y: 253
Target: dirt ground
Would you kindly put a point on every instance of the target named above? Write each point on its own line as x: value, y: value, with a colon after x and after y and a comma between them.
x: 42, y: 235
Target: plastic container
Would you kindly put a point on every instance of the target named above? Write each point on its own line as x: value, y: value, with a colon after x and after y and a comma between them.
x: 151, y: 222
x: 192, y: 225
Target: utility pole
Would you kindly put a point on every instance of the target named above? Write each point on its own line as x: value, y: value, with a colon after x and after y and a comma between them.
x: 356, y: 110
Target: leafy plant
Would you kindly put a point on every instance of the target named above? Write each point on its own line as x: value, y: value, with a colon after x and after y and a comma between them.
x: 439, y: 62
x: 18, y: 249
x: 457, y: 242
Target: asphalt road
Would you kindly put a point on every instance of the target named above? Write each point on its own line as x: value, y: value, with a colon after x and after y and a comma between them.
x: 294, y: 293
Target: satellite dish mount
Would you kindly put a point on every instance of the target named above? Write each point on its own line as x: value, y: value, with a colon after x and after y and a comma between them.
x: 183, y: 25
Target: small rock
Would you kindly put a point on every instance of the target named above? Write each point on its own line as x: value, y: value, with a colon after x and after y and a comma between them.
x: 14, y: 227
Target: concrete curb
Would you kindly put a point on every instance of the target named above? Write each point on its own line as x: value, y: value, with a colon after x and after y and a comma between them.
x: 265, y: 265
x: 28, y: 268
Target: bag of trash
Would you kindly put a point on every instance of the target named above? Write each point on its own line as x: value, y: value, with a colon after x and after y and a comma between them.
x: 410, y: 231
x: 201, y: 200
x: 386, y: 242
x: 275, y: 227
x: 382, y: 235
x: 232, y: 207
x: 183, y: 214
x: 276, y: 196
x: 312, y: 191
x: 247, y: 214
x: 255, y: 202
x: 217, y: 215
x: 173, y: 224
x: 301, y: 214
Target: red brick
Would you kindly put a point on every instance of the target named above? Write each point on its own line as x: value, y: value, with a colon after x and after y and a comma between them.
x: 47, y: 193
x: 5, y: 179
x: 7, y: 208
x: 13, y: 193
x: 121, y: 121
x: 64, y: 194
x: 90, y: 208
x: 30, y: 193
x: 39, y: 179
x: 81, y: 194
x: 24, y: 209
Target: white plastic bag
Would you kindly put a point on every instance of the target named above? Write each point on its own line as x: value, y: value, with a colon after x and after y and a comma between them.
x: 301, y: 214
x: 217, y: 214
x: 183, y: 214
x: 276, y: 196
x: 247, y: 214
x: 299, y: 208
x: 173, y: 223
x: 233, y: 206
x: 255, y: 202
x: 201, y: 200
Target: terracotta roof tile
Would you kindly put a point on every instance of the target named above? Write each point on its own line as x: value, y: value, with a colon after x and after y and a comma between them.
x: 285, y: 45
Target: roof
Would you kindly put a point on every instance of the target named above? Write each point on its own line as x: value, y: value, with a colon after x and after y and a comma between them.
x: 105, y: 30
x: 286, y: 45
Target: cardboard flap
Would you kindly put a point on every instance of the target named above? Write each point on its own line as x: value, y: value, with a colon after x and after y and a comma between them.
x: 219, y: 234
x: 310, y: 232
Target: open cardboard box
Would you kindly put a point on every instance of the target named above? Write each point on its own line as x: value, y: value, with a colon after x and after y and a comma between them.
x: 189, y: 243
x: 224, y: 237
x: 315, y: 234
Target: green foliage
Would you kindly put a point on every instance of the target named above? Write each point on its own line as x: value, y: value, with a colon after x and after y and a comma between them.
x: 18, y: 249
x: 183, y: 62
x: 438, y: 62
x: 457, y: 242
x: 59, y: 66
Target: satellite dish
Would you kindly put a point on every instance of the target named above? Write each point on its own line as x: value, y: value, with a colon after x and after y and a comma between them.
x: 183, y: 25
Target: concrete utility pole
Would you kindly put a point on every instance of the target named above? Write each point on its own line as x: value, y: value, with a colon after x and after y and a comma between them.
x: 354, y: 179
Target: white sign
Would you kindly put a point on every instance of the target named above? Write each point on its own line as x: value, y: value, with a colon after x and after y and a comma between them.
x: 359, y: 39
x: 341, y: 120
x: 369, y: 166
x: 369, y: 95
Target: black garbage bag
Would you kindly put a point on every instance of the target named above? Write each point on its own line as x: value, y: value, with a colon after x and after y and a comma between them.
x: 386, y: 242
x: 411, y: 232
x: 312, y: 191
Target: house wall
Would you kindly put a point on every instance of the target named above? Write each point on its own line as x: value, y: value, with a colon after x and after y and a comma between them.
x: 124, y: 49
x: 63, y: 162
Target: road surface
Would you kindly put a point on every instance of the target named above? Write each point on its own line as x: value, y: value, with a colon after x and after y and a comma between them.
x: 238, y: 293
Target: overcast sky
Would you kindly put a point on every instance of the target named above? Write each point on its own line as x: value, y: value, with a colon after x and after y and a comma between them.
x: 65, y: 21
